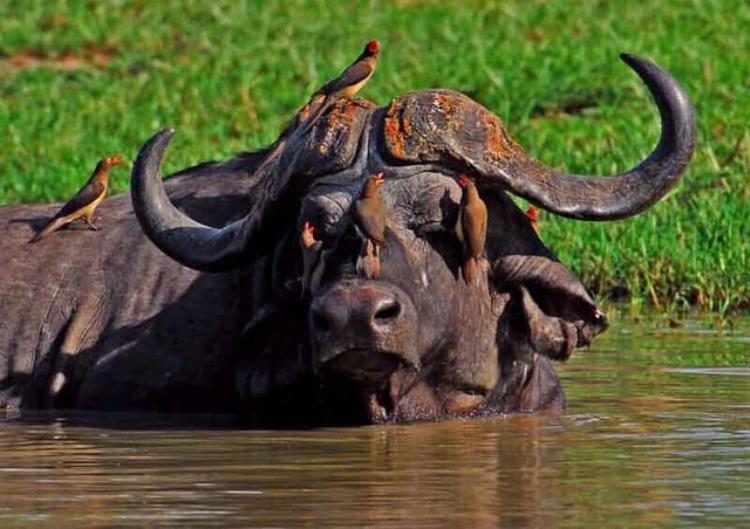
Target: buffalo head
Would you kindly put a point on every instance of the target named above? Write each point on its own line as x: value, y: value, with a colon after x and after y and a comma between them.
x: 417, y: 341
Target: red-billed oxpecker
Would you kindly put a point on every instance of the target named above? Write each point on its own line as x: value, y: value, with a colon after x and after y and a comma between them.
x: 85, y: 202
x: 310, y: 252
x: 471, y: 227
x: 368, y: 214
x: 348, y: 83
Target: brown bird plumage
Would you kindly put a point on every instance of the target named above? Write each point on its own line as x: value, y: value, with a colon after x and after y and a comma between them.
x: 471, y: 227
x: 310, y: 253
x: 84, y: 203
x: 347, y: 84
x: 368, y: 214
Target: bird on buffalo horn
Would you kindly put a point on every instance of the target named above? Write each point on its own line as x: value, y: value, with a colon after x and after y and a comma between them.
x: 347, y: 84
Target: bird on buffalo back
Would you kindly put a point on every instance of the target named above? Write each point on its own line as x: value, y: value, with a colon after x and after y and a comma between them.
x: 368, y: 214
x: 85, y: 201
x: 471, y: 228
x: 347, y: 84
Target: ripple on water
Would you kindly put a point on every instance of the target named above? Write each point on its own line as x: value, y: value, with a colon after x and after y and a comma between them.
x: 656, y: 436
x: 721, y: 371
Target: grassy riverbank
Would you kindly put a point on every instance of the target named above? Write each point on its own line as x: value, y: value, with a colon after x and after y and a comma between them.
x: 82, y: 79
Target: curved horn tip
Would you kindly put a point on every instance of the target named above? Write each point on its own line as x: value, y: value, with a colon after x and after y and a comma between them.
x: 649, y: 72
x: 631, y: 60
x: 670, y: 97
x: 158, y: 142
x: 163, y: 137
x: 643, y: 67
x: 150, y: 155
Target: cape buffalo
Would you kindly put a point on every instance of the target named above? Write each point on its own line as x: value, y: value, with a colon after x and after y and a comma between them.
x: 105, y: 320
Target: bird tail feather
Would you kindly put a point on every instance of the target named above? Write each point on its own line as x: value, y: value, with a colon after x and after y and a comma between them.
x: 52, y: 227
x: 368, y: 262
x: 469, y: 269
x: 316, y: 114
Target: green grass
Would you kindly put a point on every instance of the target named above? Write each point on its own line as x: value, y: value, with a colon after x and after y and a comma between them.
x: 228, y: 74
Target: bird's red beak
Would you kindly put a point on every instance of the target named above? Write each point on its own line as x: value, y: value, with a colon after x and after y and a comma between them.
x: 463, y: 180
x: 373, y: 46
x: 532, y: 214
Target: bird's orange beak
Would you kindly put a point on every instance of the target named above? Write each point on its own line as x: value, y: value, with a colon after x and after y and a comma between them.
x: 309, y: 228
x: 378, y: 179
x: 115, y: 160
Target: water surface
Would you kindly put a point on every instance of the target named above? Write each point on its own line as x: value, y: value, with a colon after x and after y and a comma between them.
x: 657, y: 434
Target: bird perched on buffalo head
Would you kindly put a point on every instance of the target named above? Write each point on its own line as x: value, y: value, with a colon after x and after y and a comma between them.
x: 347, y: 84
x: 471, y: 227
x: 84, y: 203
x: 368, y: 214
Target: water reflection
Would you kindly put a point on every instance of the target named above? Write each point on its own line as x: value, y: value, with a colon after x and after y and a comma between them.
x: 645, y: 443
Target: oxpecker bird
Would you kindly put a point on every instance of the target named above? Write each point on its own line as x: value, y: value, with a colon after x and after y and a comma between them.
x: 347, y: 84
x: 471, y: 227
x: 310, y: 253
x: 368, y: 214
x: 85, y: 202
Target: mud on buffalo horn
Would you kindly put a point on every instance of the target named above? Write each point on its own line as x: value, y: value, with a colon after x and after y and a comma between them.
x: 582, y: 197
x: 596, y: 198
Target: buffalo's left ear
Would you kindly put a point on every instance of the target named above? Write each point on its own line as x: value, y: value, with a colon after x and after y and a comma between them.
x: 548, y: 311
x: 555, y: 311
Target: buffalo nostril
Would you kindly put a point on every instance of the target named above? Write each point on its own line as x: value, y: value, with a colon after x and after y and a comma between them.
x: 388, y: 311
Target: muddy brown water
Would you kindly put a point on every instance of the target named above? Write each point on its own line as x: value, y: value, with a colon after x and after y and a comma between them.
x: 657, y: 434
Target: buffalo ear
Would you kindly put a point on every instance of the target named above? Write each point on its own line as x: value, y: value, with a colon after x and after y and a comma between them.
x: 552, y: 312
x: 549, y: 311
x: 552, y: 336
